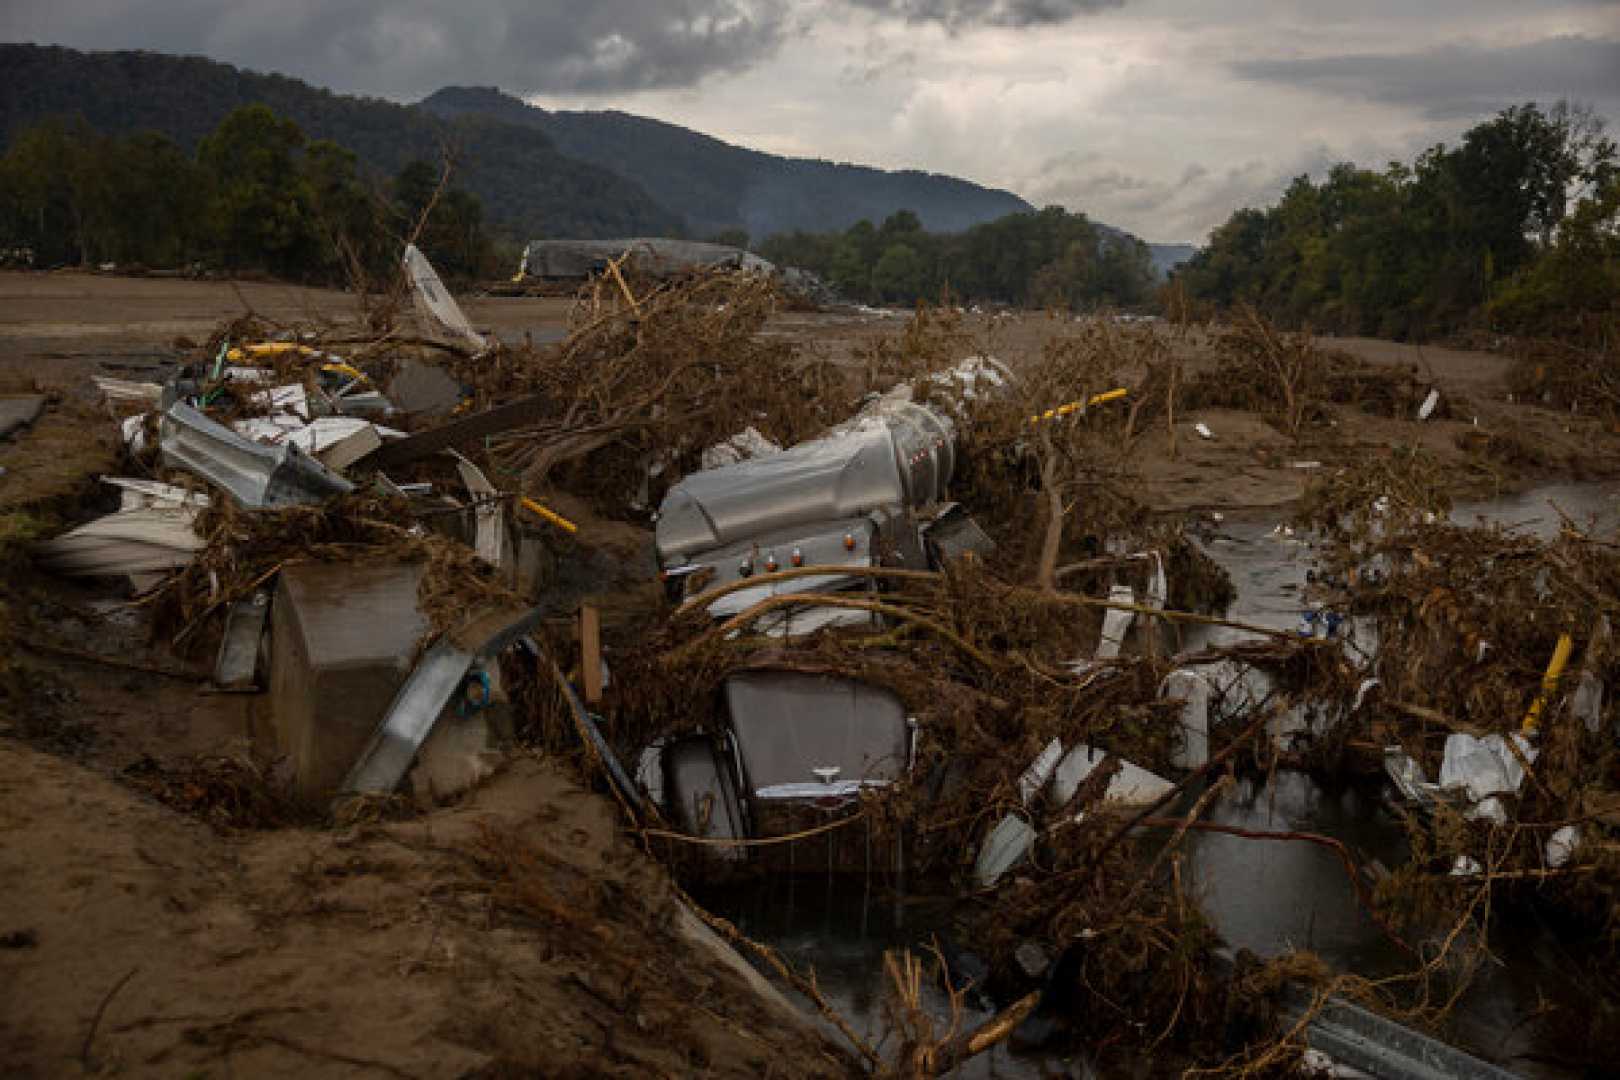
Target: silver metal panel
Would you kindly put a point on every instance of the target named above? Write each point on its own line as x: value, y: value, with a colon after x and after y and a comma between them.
x: 435, y: 303
x: 792, y: 727
x: 1353, y: 1036
x: 954, y: 534
x: 236, y: 667
x: 416, y: 708
x: 258, y: 477
x: 829, y: 479
x: 822, y: 546
x: 923, y: 442
x: 702, y: 795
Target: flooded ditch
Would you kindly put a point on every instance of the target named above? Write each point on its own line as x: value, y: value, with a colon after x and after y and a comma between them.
x: 1264, y: 897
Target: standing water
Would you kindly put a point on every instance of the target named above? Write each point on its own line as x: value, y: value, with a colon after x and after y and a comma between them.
x: 1262, y: 895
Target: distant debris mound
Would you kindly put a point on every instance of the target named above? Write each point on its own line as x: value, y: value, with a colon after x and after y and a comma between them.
x: 657, y: 258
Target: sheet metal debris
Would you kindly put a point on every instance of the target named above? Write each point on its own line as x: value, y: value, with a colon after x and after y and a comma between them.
x: 430, y: 687
x: 237, y: 666
x: 255, y: 476
x: 434, y: 302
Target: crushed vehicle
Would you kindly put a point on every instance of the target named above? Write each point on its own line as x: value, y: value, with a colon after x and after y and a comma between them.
x: 791, y: 745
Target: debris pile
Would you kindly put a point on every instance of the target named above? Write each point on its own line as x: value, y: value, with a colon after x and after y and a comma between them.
x: 1481, y: 679
x: 908, y: 620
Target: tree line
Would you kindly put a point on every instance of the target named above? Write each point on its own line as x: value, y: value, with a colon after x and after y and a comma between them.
x: 1517, y: 228
x: 256, y: 195
x: 1048, y: 258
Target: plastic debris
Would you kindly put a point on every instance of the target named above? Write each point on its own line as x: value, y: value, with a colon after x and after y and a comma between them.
x: 1561, y: 845
x: 1408, y: 777
x: 1481, y: 767
x: 1586, y: 704
x: 744, y: 445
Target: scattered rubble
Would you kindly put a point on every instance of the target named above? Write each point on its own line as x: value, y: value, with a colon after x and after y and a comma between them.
x: 906, y: 610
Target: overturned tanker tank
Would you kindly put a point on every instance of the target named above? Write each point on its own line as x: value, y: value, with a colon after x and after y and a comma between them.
x: 790, y: 748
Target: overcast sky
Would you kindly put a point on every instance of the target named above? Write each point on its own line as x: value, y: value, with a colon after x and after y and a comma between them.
x: 1160, y: 116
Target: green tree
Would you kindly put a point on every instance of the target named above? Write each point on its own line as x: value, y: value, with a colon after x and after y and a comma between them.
x: 898, y: 274
x: 354, y: 234
x: 453, y: 233
x: 1422, y: 249
x: 261, y: 203
x: 44, y: 212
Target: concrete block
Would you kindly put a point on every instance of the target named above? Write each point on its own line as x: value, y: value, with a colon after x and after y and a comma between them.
x: 343, y: 637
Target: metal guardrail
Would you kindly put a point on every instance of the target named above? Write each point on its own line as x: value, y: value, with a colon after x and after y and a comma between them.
x: 1362, y: 1039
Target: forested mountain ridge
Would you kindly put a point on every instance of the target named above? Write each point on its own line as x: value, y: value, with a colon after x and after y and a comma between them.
x: 718, y: 187
x: 537, y: 173
x: 528, y: 187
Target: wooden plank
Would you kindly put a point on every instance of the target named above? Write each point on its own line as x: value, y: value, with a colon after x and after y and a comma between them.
x: 469, y: 429
x: 590, y: 650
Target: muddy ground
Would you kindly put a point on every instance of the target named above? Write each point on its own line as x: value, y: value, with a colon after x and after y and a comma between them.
x: 515, y: 933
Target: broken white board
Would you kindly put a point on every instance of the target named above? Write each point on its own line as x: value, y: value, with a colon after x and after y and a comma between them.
x: 1039, y: 771
x: 435, y: 304
x: 1132, y: 785
x: 1012, y: 837
x: 123, y: 390
x: 138, y: 541
x: 489, y: 512
x: 1116, y: 623
x: 135, y: 493
x: 1193, y: 688
x: 1003, y: 849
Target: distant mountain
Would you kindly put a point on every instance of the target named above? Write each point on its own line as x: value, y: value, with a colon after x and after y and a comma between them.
x: 717, y: 186
x: 528, y: 186
x: 1166, y: 257
x: 539, y: 173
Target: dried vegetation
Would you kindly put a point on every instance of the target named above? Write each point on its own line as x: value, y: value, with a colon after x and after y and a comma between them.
x: 983, y: 653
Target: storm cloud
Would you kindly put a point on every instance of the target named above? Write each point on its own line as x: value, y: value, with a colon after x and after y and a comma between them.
x: 956, y: 14
x: 1158, y: 116
x: 402, y: 48
x: 1462, y: 80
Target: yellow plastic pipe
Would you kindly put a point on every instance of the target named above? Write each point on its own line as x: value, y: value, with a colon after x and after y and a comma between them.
x: 268, y: 349
x: 1549, y: 681
x: 550, y: 515
x: 341, y: 368
x: 1075, y: 406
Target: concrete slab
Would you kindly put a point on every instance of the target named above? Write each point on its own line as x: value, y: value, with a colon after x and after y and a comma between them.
x: 17, y: 413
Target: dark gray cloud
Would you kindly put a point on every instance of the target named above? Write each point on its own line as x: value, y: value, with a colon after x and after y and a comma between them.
x: 1461, y: 81
x: 406, y: 47
x: 956, y: 14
